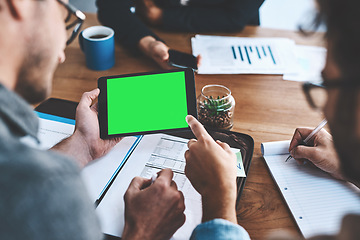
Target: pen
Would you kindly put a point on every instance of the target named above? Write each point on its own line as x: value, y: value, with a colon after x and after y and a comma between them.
x: 153, y: 178
x: 311, y: 135
x: 117, y: 171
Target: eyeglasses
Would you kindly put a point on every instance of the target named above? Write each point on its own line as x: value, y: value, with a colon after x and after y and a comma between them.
x: 73, y: 20
x: 317, y: 93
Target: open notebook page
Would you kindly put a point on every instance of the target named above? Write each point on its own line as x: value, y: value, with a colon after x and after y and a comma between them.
x: 317, y: 201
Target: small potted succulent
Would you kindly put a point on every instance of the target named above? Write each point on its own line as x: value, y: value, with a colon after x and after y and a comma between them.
x: 216, y: 107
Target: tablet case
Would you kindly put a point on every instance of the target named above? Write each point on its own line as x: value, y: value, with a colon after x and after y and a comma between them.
x: 244, y: 142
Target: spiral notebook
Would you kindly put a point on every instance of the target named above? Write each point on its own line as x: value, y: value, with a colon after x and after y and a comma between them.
x: 316, y: 200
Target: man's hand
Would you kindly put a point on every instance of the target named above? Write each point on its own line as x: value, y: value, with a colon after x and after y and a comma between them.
x: 85, y: 144
x: 149, y: 12
x: 211, y: 168
x: 156, y: 50
x: 321, y: 151
x: 153, y: 211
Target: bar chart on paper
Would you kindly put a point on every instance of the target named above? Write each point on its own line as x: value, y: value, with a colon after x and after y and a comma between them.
x: 232, y: 55
x: 254, y: 54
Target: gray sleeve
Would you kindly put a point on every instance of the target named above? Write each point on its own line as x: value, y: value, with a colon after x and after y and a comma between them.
x: 43, y: 197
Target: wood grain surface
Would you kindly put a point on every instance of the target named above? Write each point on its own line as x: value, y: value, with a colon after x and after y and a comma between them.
x: 267, y: 108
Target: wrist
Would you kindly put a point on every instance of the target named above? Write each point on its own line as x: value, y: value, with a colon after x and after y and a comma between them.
x: 220, y: 204
x: 130, y: 232
x: 80, y: 148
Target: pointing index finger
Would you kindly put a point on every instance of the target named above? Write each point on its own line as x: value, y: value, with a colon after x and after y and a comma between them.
x: 197, y: 128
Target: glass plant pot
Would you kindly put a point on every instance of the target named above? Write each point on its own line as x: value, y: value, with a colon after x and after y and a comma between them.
x: 216, y: 106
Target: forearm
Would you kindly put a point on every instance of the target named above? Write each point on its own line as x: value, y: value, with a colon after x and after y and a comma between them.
x: 220, y: 205
x: 224, y: 17
x: 76, y: 147
x: 129, y: 29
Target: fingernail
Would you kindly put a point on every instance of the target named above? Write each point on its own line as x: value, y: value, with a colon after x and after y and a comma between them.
x: 187, y: 119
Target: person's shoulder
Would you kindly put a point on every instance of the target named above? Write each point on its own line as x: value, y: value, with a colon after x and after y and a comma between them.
x: 25, y: 161
x: 45, y: 196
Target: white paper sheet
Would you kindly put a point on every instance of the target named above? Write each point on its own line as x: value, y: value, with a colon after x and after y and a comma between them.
x: 310, y: 63
x: 52, y: 132
x: 317, y: 201
x: 153, y: 153
x: 239, y: 55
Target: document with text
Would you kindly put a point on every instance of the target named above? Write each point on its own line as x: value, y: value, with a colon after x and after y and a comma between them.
x: 148, y: 155
x: 244, y: 55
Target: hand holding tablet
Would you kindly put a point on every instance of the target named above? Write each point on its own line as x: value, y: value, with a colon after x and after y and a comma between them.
x: 143, y: 103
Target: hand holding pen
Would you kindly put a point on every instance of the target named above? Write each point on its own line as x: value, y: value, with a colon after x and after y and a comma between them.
x: 309, y: 137
x: 319, y: 149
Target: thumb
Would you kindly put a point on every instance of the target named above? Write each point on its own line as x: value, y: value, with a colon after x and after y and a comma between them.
x: 162, y: 54
x: 138, y: 183
x: 88, y: 97
x: 161, y: 51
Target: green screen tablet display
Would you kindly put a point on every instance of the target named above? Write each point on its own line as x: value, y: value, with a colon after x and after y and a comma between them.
x: 154, y: 102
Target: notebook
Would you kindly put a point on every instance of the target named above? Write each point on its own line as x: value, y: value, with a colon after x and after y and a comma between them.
x: 316, y: 200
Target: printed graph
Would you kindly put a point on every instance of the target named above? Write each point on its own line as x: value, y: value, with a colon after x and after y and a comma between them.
x: 248, y: 53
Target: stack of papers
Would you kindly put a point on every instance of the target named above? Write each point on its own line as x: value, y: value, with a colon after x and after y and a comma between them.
x: 242, y: 55
x: 238, y: 55
x: 310, y: 61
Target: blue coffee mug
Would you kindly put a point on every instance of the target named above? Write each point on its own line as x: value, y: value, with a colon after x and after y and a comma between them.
x: 98, y: 44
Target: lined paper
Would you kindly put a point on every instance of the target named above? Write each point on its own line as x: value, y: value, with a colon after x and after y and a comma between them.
x: 317, y: 201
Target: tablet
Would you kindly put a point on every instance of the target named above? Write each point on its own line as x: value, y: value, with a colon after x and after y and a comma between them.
x: 143, y: 103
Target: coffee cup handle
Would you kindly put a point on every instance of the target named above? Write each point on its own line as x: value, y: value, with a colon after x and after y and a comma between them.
x: 81, y: 39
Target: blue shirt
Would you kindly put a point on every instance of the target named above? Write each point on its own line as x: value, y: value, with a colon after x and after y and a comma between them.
x: 219, y: 229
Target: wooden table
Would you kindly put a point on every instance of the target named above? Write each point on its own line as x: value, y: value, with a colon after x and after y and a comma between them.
x: 267, y: 108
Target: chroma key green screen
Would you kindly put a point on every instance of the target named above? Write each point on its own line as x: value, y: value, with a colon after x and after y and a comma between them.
x: 146, y: 103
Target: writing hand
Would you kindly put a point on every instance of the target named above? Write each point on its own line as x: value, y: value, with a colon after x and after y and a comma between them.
x: 211, y: 168
x: 320, y: 151
x: 153, y: 211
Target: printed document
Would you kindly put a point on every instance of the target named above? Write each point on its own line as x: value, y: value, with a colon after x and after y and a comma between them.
x: 152, y: 153
x: 244, y: 55
x: 310, y: 63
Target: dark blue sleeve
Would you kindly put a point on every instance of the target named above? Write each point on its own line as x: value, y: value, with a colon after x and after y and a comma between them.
x: 129, y: 29
x: 232, y: 15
